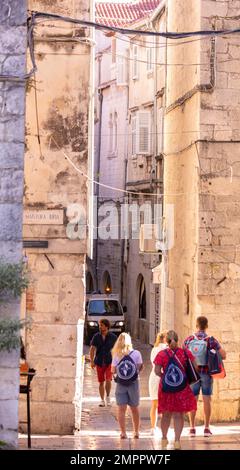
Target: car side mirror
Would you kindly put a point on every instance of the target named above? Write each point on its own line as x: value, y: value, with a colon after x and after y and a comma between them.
x: 124, y: 309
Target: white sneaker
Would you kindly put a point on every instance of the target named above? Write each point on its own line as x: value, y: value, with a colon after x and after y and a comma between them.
x: 102, y: 403
x: 108, y: 401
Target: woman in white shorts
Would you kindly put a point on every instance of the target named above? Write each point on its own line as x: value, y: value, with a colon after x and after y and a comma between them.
x: 154, y: 380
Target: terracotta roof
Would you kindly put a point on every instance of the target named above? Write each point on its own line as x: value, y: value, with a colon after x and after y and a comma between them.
x: 120, y: 14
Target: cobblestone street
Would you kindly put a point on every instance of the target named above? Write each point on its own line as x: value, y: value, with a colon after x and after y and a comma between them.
x: 100, y: 429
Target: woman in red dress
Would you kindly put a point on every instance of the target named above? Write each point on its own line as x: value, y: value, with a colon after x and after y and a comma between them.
x: 173, y: 403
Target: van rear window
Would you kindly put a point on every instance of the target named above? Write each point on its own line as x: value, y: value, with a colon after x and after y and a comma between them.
x: 104, y: 307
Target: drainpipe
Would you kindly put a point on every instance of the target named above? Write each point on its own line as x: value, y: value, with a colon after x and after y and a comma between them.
x: 100, y: 98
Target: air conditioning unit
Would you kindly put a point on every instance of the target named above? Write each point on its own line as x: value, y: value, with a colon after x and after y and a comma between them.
x: 148, y: 238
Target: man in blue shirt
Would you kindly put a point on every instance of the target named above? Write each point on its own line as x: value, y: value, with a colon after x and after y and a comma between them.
x: 101, y: 358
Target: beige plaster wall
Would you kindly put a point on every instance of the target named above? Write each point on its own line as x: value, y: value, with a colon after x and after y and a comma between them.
x: 56, y: 123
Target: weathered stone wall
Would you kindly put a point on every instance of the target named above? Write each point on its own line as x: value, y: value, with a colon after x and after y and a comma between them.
x: 219, y: 202
x: 57, y: 122
x: 201, y: 168
x: 12, y: 116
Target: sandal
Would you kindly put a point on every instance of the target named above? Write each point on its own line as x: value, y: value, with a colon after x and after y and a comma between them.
x: 136, y: 436
x: 123, y: 436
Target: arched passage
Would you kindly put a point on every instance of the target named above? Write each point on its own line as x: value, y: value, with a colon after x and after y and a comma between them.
x: 106, y: 283
x: 89, y: 283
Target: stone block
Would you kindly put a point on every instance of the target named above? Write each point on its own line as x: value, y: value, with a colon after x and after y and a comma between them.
x: 48, y: 284
x: 13, y: 41
x: 11, y: 185
x: 11, y: 155
x: 9, y: 414
x: 9, y: 384
x: 39, y: 388
x: 12, y: 130
x: 46, y: 302
x: 214, y: 8
x: 53, y: 418
x: 15, y: 100
x: 213, y: 116
x: 13, y: 12
x: 42, y: 264
x: 9, y: 359
x: 205, y: 236
x: 207, y: 202
x: 11, y: 227
x: 53, y: 340
x: 57, y: 367
x: 62, y: 390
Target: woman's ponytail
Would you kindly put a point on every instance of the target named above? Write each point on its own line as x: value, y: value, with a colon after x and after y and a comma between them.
x: 172, y: 339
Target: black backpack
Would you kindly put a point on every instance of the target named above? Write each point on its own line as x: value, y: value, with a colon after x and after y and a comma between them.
x: 126, y: 371
x: 174, y: 378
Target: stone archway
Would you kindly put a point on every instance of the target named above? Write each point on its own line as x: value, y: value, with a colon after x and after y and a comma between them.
x: 106, y: 283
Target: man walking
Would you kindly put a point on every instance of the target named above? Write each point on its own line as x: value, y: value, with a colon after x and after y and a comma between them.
x: 198, y: 344
x: 101, y: 358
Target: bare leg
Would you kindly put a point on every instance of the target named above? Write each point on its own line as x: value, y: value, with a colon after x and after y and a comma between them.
x: 192, y: 417
x: 101, y: 390
x: 121, y: 418
x: 108, y: 387
x: 153, y: 413
x: 165, y: 423
x: 178, y: 419
x: 207, y: 409
x: 135, y: 419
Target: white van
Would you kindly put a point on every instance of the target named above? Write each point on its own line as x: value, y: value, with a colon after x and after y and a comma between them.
x: 103, y: 306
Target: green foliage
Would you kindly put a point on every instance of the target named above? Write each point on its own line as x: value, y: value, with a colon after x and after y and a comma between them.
x: 9, y: 334
x: 13, y: 279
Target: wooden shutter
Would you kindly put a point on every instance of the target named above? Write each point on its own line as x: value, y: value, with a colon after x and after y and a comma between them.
x: 121, y: 70
x: 144, y: 132
x: 134, y: 135
x: 149, y: 59
x: 135, y: 62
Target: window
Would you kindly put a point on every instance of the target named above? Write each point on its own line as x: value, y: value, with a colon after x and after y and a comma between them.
x: 149, y: 59
x: 110, y: 143
x: 122, y: 71
x: 135, y: 63
x: 113, y: 50
x: 134, y: 135
x: 115, y: 130
x: 141, y: 133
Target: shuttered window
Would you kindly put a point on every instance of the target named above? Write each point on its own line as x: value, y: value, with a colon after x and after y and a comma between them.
x: 149, y: 59
x: 135, y: 62
x: 144, y: 132
x: 134, y: 135
x: 141, y: 133
x: 122, y: 71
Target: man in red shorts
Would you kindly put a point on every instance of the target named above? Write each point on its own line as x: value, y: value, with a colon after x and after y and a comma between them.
x: 101, y: 358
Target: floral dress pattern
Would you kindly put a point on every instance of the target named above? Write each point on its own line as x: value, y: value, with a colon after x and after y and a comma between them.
x: 182, y: 401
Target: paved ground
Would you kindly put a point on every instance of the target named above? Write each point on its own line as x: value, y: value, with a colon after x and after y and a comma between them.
x: 100, y: 428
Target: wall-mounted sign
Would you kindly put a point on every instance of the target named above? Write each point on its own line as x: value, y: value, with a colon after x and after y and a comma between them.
x: 43, y: 217
x: 35, y: 243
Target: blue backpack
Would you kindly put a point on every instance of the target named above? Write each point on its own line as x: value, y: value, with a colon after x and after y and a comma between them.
x: 199, y: 348
x: 174, y: 378
x: 126, y: 371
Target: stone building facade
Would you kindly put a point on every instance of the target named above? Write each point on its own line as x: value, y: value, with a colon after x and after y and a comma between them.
x: 201, y: 180
x: 110, y: 154
x: 13, y: 46
x: 58, y: 131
